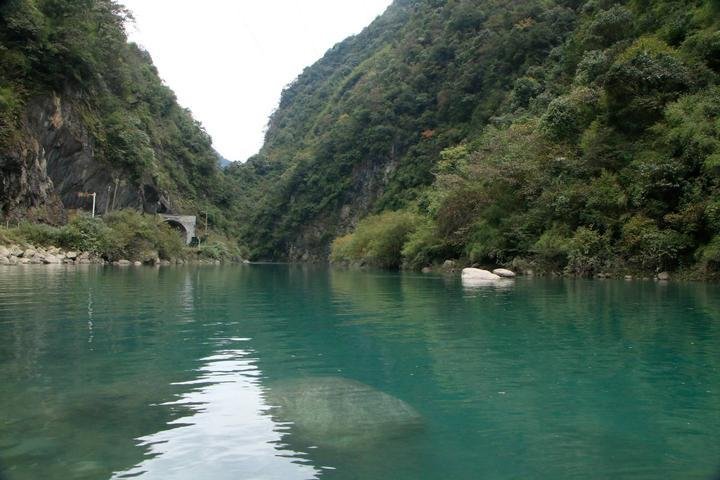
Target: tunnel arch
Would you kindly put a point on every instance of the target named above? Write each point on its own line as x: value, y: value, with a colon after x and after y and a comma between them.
x: 185, y: 224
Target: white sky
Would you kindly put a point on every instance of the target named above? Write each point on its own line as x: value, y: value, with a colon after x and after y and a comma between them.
x: 228, y: 60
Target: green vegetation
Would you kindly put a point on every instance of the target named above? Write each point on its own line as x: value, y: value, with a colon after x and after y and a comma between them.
x: 563, y: 136
x: 124, y: 234
x: 378, y: 240
x: 559, y: 135
x: 77, y: 51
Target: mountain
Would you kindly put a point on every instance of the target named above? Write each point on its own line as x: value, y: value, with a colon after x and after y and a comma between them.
x: 83, y: 110
x: 559, y: 134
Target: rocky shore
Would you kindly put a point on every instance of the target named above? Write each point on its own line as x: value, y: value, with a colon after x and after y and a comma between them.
x: 31, y: 255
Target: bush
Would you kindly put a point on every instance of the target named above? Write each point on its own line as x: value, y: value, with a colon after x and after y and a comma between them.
x: 38, y: 234
x: 642, y: 81
x: 649, y: 247
x: 569, y: 115
x: 140, y: 237
x: 709, y: 255
x: 423, y: 246
x: 378, y: 240
x: 552, y: 248
x: 85, y: 234
x: 588, y: 252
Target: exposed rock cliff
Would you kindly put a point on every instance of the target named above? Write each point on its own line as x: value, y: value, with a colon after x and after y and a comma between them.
x: 56, y: 160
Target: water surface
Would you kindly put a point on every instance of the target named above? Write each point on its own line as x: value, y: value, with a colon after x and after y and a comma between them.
x: 165, y: 374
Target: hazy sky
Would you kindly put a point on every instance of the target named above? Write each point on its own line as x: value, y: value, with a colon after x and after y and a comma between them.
x: 228, y: 60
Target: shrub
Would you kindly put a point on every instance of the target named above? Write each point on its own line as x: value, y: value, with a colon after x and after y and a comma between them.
x: 38, y: 234
x: 423, y: 246
x: 552, y: 248
x: 378, y: 240
x: 709, y: 255
x: 140, y: 237
x: 642, y: 80
x: 649, y: 247
x: 85, y: 234
x: 588, y: 251
x: 611, y: 26
x: 569, y: 115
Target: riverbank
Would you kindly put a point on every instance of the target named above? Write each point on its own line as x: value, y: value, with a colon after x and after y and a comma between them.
x: 121, y: 238
x: 31, y: 255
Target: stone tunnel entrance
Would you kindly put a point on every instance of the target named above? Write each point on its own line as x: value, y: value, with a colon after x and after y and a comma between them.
x: 185, y: 224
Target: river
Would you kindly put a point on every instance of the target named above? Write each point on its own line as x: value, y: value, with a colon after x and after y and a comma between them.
x: 169, y: 373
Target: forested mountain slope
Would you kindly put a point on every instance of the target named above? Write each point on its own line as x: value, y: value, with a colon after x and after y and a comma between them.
x: 82, y: 110
x: 567, y: 135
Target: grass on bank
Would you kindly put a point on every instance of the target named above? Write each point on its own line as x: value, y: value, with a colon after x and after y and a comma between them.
x: 124, y: 234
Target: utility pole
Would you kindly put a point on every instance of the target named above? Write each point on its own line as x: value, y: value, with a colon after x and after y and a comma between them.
x: 85, y: 195
x: 107, y: 199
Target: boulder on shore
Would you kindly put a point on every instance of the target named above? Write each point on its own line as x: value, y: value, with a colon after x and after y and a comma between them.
x: 664, y: 276
x: 504, y: 272
x: 478, y: 274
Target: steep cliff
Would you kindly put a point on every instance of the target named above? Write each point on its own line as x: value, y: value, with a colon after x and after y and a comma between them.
x: 81, y: 110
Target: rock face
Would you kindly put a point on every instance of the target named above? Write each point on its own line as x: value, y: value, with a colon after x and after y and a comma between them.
x: 56, y: 159
x: 478, y: 274
x: 336, y: 412
x: 503, y: 272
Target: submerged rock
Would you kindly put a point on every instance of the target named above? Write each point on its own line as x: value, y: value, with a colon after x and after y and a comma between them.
x: 340, y: 413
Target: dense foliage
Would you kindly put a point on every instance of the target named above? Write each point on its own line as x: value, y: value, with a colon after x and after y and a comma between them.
x: 565, y: 135
x: 78, y: 50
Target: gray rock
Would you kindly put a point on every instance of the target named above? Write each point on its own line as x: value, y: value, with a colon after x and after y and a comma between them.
x: 427, y: 270
x: 449, y: 264
x: 4, y: 251
x: 123, y: 263
x: 71, y: 255
x: 664, y: 276
x: 137, y: 263
x: 504, y: 272
x: 340, y: 413
x: 16, y: 251
x: 50, y: 259
x: 4, y: 260
x: 29, y: 253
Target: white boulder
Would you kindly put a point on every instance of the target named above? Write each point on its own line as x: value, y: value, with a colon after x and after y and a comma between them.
x: 478, y: 274
x: 503, y: 272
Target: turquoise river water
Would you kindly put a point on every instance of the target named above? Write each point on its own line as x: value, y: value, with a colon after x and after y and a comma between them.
x: 173, y: 373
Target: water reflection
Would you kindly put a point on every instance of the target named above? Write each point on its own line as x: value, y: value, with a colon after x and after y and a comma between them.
x: 545, y: 379
x: 228, y: 435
